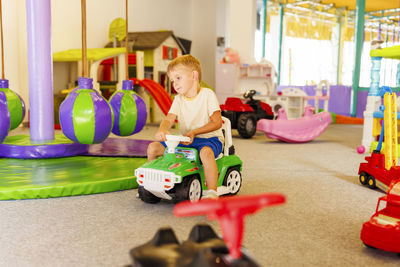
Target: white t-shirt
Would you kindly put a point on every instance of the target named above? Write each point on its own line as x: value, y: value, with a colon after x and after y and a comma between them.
x: 195, y: 112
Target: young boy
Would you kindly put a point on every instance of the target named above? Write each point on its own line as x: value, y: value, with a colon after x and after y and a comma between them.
x: 199, y: 117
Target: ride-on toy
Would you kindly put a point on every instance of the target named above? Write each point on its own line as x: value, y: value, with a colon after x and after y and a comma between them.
x: 299, y: 130
x: 381, y: 168
x: 383, y: 229
x: 178, y: 175
x: 244, y: 116
x: 204, y: 247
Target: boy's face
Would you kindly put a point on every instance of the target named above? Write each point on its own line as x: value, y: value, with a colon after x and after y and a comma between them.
x: 183, y: 80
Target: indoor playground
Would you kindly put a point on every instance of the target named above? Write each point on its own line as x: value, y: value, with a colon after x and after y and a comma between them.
x: 308, y: 174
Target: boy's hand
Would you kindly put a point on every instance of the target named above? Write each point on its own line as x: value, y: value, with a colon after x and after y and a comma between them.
x: 191, y: 135
x: 161, y: 136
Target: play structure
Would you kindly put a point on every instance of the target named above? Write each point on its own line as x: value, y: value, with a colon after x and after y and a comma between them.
x: 179, y: 175
x: 300, y: 130
x: 382, y: 230
x: 204, y: 247
x: 244, y: 116
x: 95, y: 56
x: 372, y: 116
x: 87, y: 119
x: 381, y: 168
x: 105, y: 57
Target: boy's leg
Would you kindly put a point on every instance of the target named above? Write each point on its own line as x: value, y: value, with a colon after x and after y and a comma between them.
x: 154, y: 150
x: 210, y: 167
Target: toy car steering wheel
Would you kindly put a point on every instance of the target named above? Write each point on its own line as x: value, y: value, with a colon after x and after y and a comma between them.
x: 249, y: 94
x: 179, y: 138
x: 173, y: 141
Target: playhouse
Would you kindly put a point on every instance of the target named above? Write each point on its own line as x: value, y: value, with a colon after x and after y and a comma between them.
x: 159, y: 48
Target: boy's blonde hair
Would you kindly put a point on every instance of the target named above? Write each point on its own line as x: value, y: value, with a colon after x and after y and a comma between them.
x: 188, y: 61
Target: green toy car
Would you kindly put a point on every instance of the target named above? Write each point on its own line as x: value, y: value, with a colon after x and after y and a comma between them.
x: 178, y: 175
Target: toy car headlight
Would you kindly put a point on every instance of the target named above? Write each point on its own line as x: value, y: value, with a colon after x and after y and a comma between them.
x: 139, y: 175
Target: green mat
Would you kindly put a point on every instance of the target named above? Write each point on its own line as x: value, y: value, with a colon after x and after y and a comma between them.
x: 58, y: 177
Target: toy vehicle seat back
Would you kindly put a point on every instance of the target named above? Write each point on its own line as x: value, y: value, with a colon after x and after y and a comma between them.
x: 227, y: 130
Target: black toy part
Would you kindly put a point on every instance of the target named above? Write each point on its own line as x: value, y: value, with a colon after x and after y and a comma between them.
x: 202, y: 249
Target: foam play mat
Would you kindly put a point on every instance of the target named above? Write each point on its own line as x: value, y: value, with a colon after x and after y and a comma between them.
x: 21, y: 147
x: 120, y: 147
x: 70, y: 176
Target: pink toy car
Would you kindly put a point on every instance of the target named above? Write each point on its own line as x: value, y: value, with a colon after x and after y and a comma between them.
x: 383, y: 229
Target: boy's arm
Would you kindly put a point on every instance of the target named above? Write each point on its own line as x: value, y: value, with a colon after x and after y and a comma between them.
x: 165, y: 125
x: 214, y: 124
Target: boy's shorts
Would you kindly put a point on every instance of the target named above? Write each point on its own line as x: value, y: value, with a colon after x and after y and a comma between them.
x: 198, y: 143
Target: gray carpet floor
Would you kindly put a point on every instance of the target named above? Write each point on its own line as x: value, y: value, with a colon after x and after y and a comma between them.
x: 319, y: 225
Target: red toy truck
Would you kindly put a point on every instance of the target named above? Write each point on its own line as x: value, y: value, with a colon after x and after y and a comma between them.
x: 374, y: 174
x: 383, y: 229
x: 381, y: 169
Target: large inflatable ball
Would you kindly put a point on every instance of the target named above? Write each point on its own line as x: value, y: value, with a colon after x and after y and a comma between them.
x: 85, y: 116
x: 14, y: 102
x: 129, y: 110
x: 5, y: 121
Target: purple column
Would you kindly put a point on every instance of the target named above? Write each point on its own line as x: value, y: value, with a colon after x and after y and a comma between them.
x: 40, y: 66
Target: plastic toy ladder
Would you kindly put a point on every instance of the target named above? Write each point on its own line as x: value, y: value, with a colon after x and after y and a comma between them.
x: 390, y: 125
x: 230, y: 212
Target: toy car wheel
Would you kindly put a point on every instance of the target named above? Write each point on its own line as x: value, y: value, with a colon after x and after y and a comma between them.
x: 246, y: 125
x: 190, y: 189
x: 233, y: 180
x: 146, y: 196
x: 371, y: 182
x: 363, y: 178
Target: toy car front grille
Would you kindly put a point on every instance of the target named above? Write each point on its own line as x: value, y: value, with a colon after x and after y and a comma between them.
x: 151, y: 175
x: 156, y: 177
x: 145, y: 175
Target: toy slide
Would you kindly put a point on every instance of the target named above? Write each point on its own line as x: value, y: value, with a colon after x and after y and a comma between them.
x: 298, y: 130
x: 158, y: 92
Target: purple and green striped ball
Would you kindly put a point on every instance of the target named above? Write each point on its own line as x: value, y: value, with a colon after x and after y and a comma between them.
x: 15, y: 106
x: 5, y: 121
x: 130, y: 112
x: 86, y: 117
